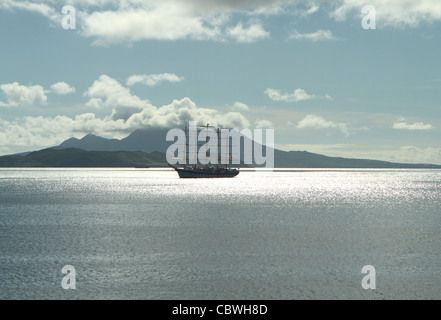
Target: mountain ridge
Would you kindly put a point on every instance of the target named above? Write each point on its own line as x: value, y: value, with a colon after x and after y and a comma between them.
x: 78, y: 158
x: 147, y: 148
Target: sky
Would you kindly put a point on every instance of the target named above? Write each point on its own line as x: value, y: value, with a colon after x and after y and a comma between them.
x: 357, y: 79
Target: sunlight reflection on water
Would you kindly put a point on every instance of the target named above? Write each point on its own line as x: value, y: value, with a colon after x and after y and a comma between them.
x: 145, y: 233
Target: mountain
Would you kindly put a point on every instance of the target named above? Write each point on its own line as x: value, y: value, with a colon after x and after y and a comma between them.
x: 304, y: 159
x: 154, y: 140
x: 72, y: 157
x: 139, y: 140
x: 91, y: 143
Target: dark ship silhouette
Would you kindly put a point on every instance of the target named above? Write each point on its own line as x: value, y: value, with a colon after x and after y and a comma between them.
x: 204, y: 171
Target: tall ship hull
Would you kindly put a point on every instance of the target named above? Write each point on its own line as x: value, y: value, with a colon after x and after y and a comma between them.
x: 206, y: 172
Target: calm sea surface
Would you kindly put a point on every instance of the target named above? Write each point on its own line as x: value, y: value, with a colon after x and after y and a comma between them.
x: 146, y: 234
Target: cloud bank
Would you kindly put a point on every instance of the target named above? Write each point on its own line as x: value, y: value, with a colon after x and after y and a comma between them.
x: 114, y: 22
x: 126, y: 113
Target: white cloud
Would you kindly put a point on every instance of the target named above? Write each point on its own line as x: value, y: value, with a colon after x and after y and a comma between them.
x: 319, y: 35
x: 316, y: 122
x: 262, y: 123
x: 296, y: 96
x: 313, y: 9
x: 23, y: 95
x: 108, y: 92
x: 241, y: 106
x: 172, y: 20
x: 159, y: 23
x: 396, y: 13
x: 33, y: 94
x: 269, y: 10
x: 402, y: 125
x: 41, y: 8
x: 153, y: 79
x: 62, y: 88
x: 252, y: 33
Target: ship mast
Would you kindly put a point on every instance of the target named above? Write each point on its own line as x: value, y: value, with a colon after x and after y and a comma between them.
x: 206, y: 127
x: 223, y: 156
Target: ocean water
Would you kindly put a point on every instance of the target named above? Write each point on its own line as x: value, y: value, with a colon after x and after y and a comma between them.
x: 146, y: 234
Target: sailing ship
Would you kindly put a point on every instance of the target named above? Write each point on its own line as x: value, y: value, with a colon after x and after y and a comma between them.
x: 204, y: 171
